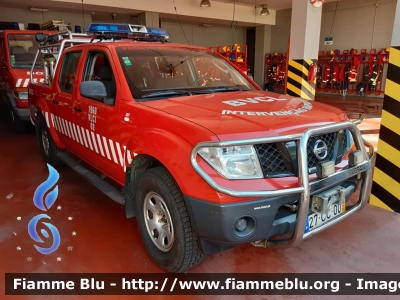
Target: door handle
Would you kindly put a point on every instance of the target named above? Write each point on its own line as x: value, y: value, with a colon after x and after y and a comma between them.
x: 78, y: 109
x: 55, y: 101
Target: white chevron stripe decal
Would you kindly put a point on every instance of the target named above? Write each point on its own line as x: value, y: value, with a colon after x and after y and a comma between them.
x: 89, y: 139
x: 119, y: 154
x: 106, y: 148
x: 84, y: 137
x: 79, y: 134
x: 72, y: 131
x: 113, y: 151
x: 100, y: 144
x: 76, y: 135
x: 94, y: 142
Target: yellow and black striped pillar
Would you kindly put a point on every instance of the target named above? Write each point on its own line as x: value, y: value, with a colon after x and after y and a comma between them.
x: 386, y: 186
x: 297, y: 81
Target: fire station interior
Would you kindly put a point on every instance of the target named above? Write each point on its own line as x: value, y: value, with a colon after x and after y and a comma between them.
x: 357, y: 69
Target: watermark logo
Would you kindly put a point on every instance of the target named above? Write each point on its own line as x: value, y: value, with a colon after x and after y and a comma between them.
x: 45, y: 202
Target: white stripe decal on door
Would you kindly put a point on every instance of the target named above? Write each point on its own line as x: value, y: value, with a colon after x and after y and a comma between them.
x: 72, y: 131
x: 60, y: 125
x: 119, y: 154
x: 19, y: 81
x: 100, y: 144
x: 55, y: 122
x: 94, y: 142
x: 89, y: 139
x: 79, y: 134
x: 26, y: 83
x: 63, y: 126
x: 84, y: 137
x: 66, y: 129
x: 76, y: 135
x: 113, y: 151
x: 106, y: 147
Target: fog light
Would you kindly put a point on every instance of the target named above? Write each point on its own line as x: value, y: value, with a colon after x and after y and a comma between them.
x: 241, y: 224
x: 244, y: 226
x: 356, y: 158
x: 325, y: 169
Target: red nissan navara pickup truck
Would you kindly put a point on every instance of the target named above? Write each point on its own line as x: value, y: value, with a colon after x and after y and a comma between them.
x: 192, y: 147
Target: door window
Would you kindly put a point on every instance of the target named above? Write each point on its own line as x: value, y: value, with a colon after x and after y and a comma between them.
x: 98, y: 67
x: 68, y: 71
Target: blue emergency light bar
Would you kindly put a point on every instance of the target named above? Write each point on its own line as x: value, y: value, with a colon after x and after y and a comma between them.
x: 140, y: 32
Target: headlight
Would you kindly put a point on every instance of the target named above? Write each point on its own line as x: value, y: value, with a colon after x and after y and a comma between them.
x: 237, y: 162
x: 21, y: 95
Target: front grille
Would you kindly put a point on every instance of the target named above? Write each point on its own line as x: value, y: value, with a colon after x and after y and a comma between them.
x: 280, y: 159
x: 329, y: 140
x: 271, y: 160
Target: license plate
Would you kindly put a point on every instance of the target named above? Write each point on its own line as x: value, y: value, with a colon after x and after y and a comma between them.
x: 316, y: 220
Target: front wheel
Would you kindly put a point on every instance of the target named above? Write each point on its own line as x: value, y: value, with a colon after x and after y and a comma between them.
x: 164, y: 223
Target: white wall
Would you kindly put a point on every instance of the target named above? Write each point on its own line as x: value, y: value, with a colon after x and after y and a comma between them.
x: 27, y: 16
x: 353, y: 26
x: 204, y: 36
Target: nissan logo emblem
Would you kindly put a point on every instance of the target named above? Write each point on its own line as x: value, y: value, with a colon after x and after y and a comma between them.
x: 320, y: 150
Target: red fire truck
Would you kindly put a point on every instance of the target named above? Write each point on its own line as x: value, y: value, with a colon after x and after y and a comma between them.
x: 17, y: 52
x: 204, y: 162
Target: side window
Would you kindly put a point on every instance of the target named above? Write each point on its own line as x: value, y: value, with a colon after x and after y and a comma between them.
x: 68, y: 71
x: 98, y: 67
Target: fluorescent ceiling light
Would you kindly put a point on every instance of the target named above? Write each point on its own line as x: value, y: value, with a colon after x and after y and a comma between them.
x: 264, y: 10
x: 205, y: 3
x: 39, y: 9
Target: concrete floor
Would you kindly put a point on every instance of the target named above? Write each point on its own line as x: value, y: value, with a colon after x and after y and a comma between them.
x: 107, y: 242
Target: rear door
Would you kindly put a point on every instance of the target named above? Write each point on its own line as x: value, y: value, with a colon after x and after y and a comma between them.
x: 97, y: 120
x: 62, y: 101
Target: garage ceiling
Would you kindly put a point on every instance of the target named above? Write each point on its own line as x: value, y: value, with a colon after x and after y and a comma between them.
x: 272, y: 4
x: 102, y: 10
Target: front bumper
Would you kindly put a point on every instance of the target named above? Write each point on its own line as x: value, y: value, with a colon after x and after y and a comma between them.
x: 22, y: 113
x: 215, y: 222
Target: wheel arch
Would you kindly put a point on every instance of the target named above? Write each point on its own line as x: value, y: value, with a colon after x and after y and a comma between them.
x: 157, y: 148
x: 43, y: 111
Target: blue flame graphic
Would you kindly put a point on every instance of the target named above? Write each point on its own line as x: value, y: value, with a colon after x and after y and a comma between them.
x: 44, y: 188
x: 45, y: 204
x: 33, y: 233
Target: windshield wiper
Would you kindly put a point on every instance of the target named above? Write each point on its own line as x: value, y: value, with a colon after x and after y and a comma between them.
x: 167, y: 93
x: 220, y: 89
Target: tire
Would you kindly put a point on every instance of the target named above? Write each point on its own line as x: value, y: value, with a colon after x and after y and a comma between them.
x: 15, y: 124
x: 180, y: 250
x: 46, y: 144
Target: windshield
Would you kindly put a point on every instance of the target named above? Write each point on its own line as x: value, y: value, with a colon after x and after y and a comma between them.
x: 161, y: 72
x: 22, y: 48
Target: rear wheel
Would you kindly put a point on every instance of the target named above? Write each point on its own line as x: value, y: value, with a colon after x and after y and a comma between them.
x: 164, y: 223
x: 46, y: 144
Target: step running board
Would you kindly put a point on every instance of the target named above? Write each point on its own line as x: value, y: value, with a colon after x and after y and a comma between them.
x: 99, y: 183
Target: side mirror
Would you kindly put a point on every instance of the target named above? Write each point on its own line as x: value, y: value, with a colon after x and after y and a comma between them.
x: 93, y: 89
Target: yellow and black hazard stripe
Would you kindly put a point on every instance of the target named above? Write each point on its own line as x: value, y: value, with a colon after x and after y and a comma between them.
x: 297, y: 81
x: 386, y: 186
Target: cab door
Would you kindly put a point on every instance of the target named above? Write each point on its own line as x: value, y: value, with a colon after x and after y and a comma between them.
x: 98, y: 120
x: 62, y: 101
